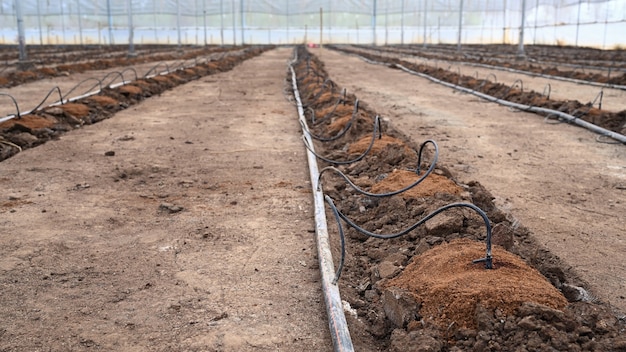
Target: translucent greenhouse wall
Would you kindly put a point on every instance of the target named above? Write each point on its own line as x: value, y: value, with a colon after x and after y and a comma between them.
x: 597, y: 23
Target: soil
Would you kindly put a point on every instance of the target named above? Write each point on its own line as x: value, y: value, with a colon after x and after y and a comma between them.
x: 612, y: 121
x: 399, y: 296
x: 185, y: 222
x: 73, y: 63
x: 587, y: 64
x: 171, y: 226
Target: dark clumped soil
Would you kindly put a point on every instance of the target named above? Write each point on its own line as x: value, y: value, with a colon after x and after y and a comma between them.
x: 422, y: 291
x: 612, y: 121
x: 48, y: 123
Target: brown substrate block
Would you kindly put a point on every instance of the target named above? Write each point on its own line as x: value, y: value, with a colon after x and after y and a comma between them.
x: 450, y: 287
x: 431, y: 185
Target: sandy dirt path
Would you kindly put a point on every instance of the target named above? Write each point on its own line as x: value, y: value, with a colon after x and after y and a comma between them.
x: 569, y: 190
x: 196, y: 235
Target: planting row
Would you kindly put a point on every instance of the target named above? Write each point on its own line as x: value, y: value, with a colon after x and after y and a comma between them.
x: 73, y: 64
x: 544, y: 55
x: 410, y: 283
x: 49, y: 122
x: 610, y: 72
x: 612, y: 121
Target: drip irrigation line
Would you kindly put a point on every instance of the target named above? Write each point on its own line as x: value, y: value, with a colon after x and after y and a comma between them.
x: 309, y: 146
x: 340, y: 133
x: 488, y: 259
x: 340, y: 335
x: 523, y: 107
x: 388, y: 194
x: 340, y: 100
x: 549, y: 88
x: 542, y: 75
x: 98, y: 84
x: 535, y: 109
x: 17, y: 108
x: 62, y: 98
x: 58, y: 102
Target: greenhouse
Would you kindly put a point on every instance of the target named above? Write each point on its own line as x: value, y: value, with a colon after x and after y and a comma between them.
x: 351, y: 175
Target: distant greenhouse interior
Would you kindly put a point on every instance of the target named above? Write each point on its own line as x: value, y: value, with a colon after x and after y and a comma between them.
x: 595, y: 23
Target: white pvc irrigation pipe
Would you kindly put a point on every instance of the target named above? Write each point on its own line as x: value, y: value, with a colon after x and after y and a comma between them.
x: 569, y: 118
x: 334, y: 307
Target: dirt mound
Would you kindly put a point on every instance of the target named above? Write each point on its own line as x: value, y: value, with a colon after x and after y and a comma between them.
x: 451, y: 296
x: 431, y: 185
x: 103, y: 100
x: 76, y: 109
x: 130, y: 89
x: 29, y: 122
x: 362, y: 144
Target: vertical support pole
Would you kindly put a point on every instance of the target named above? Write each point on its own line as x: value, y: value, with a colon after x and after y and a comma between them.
x: 374, y: 23
x: 386, y: 24
x: 20, y: 30
x: 321, y: 29
x: 578, y: 21
x: 80, y: 22
x: 458, y: 44
x: 234, y: 29
x: 606, y: 26
x: 204, y: 23
x: 178, y: 22
x: 39, y: 23
x: 287, y: 20
x: 520, y: 48
x: 425, y: 19
x: 243, y: 23
x: 131, y: 45
x: 222, y: 22
x: 536, y: 16
x: 62, y: 23
x: 402, y: 23
x: 154, y: 19
x: 110, y: 18
x: 504, y: 23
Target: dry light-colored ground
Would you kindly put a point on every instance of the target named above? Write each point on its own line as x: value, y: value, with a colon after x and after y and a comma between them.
x: 197, y: 234
x: 95, y: 256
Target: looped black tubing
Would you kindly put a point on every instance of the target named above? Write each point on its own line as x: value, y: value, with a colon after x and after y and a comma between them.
x: 323, y: 86
x: 342, y: 239
x: 521, y: 85
x: 549, y: 87
x: 115, y: 75
x: 98, y: 84
x: 327, y: 116
x: 48, y: 95
x: 167, y: 68
x: 599, y: 96
x: 376, y: 130
x: 343, y: 131
x: 488, y: 259
x: 17, y: 107
x: 389, y: 194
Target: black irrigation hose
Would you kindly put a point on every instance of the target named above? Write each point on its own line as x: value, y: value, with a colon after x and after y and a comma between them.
x: 17, y: 107
x: 316, y: 96
x: 167, y: 69
x: 343, y: 131
x: 488, y: 259
x: 98, y: 84
x: 369, y: 148
x: 341, y: 100
x: 388, y: 194
x: 48, y: 95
